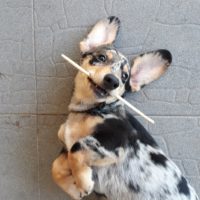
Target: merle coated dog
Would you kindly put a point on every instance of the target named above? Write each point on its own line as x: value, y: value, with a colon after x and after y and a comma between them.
x: 106, y: 149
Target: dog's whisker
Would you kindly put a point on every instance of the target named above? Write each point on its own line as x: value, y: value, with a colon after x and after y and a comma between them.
x: 116, y: 96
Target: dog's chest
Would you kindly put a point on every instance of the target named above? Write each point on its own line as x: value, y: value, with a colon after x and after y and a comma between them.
x: 79, y: 125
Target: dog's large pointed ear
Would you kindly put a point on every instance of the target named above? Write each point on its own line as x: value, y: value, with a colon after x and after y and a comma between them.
x: 148, y: 67
x: 104, y: 32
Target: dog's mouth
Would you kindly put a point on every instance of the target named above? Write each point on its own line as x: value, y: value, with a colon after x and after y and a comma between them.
x: 99, y: 91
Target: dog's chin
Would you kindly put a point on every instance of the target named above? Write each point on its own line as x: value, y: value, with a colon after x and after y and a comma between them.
x: 100, y: 92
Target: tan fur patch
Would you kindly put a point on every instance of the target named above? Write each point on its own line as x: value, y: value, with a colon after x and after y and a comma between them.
x: 109, y: 55
x: 126, y: 69
x: 79, y: 125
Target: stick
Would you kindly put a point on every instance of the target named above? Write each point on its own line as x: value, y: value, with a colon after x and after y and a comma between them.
x: 117, y: 96
x: 75, y: 65
x: 135, y: 109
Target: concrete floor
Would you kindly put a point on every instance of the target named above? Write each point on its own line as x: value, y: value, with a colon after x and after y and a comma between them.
x: 36, y: 84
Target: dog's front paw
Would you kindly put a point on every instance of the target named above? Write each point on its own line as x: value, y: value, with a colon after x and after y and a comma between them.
x: 77, y: 193
x: 74, y: 192
x: 86, y: 189
x: 84, y: 182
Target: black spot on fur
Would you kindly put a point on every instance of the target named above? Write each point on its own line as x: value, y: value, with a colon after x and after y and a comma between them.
x: 141, y: 54
x: 166, y: 55
x: 135, y: 188
x: 76, y: 147
x: 166, y: 191
x: 141, y: 169
x: 148, y: 174
x: 183, y: 187
x: 113, y: 133
x: 94, y: 176
x: 104, y: 108
x: 132, y: 151
x: 63, y: 150
x: 109, y: 174
x: 175, y: 175
x: 158, y: 159
x: 142, y: 134
x: 127, y: 85
x: 151, y: 195
x: 126, y: 165
x: 116, y: 152
x: 147, y: 163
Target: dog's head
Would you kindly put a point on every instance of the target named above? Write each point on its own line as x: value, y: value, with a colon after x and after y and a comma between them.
x: 110, y: 70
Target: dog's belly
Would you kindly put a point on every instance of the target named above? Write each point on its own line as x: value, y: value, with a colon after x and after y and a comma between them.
x: 115, y: 189
x: 125, y: 181
x: 110, y: 184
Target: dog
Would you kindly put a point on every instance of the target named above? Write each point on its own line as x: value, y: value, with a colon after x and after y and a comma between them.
x: 106, y: 149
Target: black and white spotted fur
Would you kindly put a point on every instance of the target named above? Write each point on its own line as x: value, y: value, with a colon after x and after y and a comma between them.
x: 145, y: 173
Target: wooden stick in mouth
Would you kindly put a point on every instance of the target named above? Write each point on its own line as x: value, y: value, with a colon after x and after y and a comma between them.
x: 116, y: 96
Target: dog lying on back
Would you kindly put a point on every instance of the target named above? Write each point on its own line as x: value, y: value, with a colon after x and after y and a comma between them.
x: 106, y: 149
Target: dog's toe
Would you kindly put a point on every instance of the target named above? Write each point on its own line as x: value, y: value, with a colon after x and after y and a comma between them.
x: 114, y: 19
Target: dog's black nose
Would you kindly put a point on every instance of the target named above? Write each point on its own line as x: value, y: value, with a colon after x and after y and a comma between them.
x: 110, y: 82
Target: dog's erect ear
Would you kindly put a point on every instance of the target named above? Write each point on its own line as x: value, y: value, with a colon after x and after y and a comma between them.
x: 104, y: 32
x: 149, y: 67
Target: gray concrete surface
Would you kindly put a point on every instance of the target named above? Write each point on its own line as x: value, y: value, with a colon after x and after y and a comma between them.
x: 36, y: 84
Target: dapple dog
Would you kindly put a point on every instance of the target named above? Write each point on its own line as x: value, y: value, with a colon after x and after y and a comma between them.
x: 106, y: 149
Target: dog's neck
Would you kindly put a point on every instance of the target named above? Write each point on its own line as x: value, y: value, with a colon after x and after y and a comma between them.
x: 82, y: 104
x: 103, y: 108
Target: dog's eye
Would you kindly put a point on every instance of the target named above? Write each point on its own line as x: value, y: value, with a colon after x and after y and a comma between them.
x: 98, y: 59
x: 101, y: 58
x: 124, y: 76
